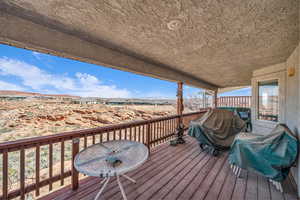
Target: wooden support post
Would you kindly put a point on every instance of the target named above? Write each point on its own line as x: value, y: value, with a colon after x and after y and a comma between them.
x: 180, y: 101
x: 75, y: 150
x: 179, y: 127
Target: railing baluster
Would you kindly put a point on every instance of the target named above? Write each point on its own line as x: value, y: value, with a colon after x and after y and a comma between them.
x: 144, y: 135
x: 114, y: 132
x: 139, y: 134
x: 161, y: 130
x: 62, y: 162
x: 172, y: 126
x: 107, y: 136
x: 165, y: 130
x: 151, y: 134
x: 130, y: 133
x: 5, y: 174
x: 148, y: 135
x: 50, y: 165
x: 94, y: 139
x: 158, y: 133
x: 154, y: 132
x: 169, y: 126
x: 125, y: 133
x: 134, y: 133
x: 85, y: 141
x: 22, y: 172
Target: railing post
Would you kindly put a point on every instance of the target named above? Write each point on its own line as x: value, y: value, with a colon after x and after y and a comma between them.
x: 22, y: 172
x: 5, y: 175
x: 37, y: 170
x: 75, y: 150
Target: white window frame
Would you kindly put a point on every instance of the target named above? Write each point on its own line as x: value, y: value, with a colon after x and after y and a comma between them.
x: 280, y: 77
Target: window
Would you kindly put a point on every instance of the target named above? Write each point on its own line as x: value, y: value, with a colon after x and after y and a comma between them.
x: 268, y: 100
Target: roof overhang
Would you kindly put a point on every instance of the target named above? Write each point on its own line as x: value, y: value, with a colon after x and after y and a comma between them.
x: 205, y: 45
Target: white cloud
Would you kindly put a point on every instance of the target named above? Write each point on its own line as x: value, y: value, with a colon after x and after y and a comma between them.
x: 32, y: 76
x: 10, y: 86
x: 39, y: 80
x: 157, y: 95
x: 91, y: 86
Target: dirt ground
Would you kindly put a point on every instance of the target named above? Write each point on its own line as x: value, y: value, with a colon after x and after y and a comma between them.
x: 29, y: 118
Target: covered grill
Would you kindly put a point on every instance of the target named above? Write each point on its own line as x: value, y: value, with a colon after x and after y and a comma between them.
x: 216, y: 129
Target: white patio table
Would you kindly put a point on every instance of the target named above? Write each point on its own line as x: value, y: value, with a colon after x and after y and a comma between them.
x: 112, y: 158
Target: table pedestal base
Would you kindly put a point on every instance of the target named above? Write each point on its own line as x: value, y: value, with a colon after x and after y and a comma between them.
x: 106, y: 180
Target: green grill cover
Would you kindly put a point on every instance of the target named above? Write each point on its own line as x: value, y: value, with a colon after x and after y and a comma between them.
x: 269, y: 155
x: 216, y: 128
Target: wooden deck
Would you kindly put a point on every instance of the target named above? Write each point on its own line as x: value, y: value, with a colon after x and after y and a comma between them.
x: 182, y: 172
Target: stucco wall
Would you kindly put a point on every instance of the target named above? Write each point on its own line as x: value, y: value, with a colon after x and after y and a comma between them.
x: 291, y: 102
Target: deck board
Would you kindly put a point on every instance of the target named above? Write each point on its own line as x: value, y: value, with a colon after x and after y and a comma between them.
x: 205, y: 185
x: 177, y: 190
x: 182, y: 172
x: 229, y: 184
x: 193, y: 185
x: 217, y: 186
x: 240, y: 186
x: 251, y: 190
x: 165, y: 190
x: 263, y: 189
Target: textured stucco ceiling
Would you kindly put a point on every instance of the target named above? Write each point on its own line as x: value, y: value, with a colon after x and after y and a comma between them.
x: 218, y: 41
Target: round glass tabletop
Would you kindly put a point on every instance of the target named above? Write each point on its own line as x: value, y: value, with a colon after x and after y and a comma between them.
x: 111, y: 158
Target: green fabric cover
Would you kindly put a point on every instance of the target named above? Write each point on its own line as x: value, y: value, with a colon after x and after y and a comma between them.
x: 269, y: 155
x: 216, y: 128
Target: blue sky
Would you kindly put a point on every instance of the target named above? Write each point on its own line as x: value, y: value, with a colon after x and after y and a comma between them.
x: 30, y: 71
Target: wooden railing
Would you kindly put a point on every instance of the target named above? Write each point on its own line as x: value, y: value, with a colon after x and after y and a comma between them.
x: 234, y: 101
x: 150, y: 132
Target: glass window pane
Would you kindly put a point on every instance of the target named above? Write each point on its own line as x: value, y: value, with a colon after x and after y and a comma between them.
x: 268, y: 101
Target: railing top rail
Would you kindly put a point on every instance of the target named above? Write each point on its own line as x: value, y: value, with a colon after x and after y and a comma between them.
x: 31, y: 142
x: 233, y: 96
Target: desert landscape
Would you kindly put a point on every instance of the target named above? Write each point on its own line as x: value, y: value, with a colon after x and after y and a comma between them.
x: 32, y: 117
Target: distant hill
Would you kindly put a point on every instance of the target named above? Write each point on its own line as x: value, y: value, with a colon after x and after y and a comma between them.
x: 29, y: 94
